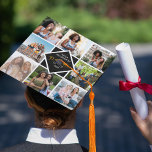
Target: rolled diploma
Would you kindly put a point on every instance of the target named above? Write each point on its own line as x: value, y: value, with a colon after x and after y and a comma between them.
x: 131, y: 74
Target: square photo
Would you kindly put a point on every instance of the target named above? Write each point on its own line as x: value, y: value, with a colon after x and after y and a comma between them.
x: 41, y: 81
x: 18, y: 66
x: 75, y: 43
x: 51, y: 30
x: 67, y: 94
x: 87, y: 72
x: 98, y: 57
x: 35, y: 47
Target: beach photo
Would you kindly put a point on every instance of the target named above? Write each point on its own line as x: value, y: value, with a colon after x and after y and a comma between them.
x: 35, y: 47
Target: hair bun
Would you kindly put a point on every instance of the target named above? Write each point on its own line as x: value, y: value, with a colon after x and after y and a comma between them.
x: 52, y: 122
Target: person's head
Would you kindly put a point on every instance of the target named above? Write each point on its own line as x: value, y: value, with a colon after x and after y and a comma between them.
x: 27, y: 66
x: 18, y: 61
x: 75, y: 90
x: 97, y: 53
x: 49, y: 77
x: 49, y: 114
x: 69, y: 87
x: 49, y: 24
x: 42, y: 74
x: 75, y: 37
x: 59, y: 35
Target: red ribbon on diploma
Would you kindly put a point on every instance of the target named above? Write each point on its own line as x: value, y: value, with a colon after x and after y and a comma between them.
x: 128, y: 85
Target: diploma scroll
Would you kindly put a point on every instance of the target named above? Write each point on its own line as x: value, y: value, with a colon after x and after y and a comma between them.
x: 131, y: 74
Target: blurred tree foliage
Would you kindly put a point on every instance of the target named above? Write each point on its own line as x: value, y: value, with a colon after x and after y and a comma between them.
x: 132, y: 9
x: 87, y: 17
x: 56, y: 79
x: 108, y: 62
x: 6, y: 28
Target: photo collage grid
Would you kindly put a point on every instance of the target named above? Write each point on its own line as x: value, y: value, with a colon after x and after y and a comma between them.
x: 38, y: 62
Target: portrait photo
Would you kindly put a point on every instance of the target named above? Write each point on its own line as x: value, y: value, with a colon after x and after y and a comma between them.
x: 51, y: 30
x: 75, y: 43
x: 97, y: 57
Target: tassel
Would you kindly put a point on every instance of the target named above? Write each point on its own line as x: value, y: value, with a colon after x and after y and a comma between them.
x: 92, y: 134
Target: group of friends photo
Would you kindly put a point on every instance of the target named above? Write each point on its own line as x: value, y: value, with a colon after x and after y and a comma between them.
x: 18, y: 66
x: 34, y: 51
x: 35, y: 48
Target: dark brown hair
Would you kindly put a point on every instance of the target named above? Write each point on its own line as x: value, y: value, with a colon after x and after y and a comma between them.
x: 39, y: 75
x: 47, y: 21
x: 49, y: 114
x: 48, y: 80
x: 73, y: 35
x: 97, y: 51
x: 74, y: 89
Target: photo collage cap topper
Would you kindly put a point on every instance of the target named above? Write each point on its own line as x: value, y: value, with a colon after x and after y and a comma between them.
x: 38, y: 63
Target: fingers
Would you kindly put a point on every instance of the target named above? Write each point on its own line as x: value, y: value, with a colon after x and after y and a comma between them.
x: 133, y: 109
x: 139, y: 122
x: 149, y: 107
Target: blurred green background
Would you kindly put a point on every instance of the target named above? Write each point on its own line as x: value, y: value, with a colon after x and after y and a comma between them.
x: 103, y: 21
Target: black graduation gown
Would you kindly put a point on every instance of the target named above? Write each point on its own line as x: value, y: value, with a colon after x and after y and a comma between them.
x: 34, y: 147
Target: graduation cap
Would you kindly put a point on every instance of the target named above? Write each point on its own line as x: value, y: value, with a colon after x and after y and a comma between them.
x: 59, y: 63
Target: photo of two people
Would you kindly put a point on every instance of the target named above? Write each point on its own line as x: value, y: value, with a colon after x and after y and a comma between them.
x: 41, y: 81
x: 67, y: 94
x: 18, y: 66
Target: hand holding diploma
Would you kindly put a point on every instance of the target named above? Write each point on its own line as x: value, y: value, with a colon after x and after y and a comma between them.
x: 131, y: 74
x: 145, y: 126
